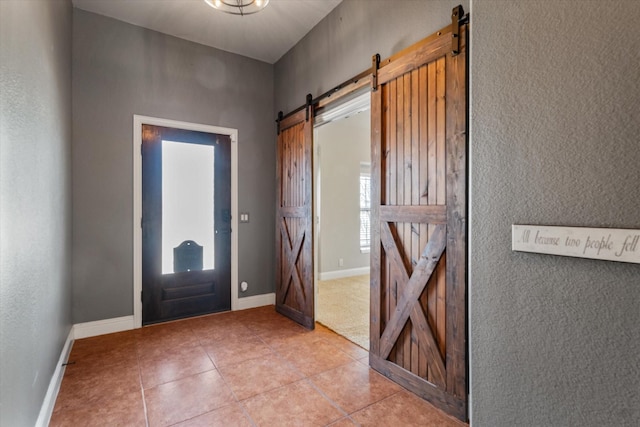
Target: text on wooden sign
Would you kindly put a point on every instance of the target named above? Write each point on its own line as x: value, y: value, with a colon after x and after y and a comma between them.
x: 611, y: 244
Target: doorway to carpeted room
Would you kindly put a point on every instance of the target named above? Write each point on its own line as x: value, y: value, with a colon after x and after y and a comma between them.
x: 344, y: 307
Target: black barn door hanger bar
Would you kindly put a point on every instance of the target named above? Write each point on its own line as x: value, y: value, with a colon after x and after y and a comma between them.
x: 458, y: 18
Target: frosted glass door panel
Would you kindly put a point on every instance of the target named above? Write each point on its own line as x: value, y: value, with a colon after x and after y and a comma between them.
x: 187, y: 200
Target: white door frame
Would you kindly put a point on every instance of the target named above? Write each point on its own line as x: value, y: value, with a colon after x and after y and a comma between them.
x: 335, y: 110
x: 138, y: 121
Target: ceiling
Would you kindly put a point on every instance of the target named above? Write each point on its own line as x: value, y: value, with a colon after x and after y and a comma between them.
x: 265, y: 36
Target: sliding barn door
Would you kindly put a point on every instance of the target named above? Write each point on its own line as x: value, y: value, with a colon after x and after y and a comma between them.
x: 418, y: 276
x: 294, y: 225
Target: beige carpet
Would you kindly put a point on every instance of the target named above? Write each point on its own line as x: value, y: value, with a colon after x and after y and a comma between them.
x: 343, y: 306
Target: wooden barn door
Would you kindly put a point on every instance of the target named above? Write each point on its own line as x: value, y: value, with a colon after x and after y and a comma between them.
x: 418, y: 258
x: 294, y: 224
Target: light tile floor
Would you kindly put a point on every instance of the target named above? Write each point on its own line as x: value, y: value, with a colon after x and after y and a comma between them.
x: 247, y: 368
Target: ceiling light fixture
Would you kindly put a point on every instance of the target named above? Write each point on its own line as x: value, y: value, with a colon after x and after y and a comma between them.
x: 238, y: 7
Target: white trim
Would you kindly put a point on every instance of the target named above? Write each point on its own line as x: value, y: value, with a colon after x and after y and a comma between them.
x: 470, y: 213
x: 109, y: 326
x: 353, y: 106
x: 46, y: 410
x: 102, y: 327
x: 138, y: 121
x: 339, y: 274
x: 256, y: 301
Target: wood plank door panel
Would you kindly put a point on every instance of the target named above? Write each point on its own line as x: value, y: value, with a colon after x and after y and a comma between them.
x: 418, y: 258
x: 294, y: 228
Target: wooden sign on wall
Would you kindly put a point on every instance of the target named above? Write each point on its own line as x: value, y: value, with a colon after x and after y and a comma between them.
x: 611, y: 244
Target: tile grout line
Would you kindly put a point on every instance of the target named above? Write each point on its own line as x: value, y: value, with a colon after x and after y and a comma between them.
x: 294, y: 368
x: 367, y: 405
x: 235, y: 397
x: 289, y: 342
x: 144, y: 400
x: 181, y: 378
x: 331, y: 401
x: 215, y: 367
x: 279, y: 356
x: 309, y: 381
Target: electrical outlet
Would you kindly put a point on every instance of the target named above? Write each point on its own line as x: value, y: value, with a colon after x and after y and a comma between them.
x: 244, y: 286
x: 341, y: 262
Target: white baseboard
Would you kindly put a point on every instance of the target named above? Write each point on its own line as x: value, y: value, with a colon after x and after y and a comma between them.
x: 108, y: 326
x: 46, y: 410
x: 256, y: 301
x: 339, y: 274
x: 101, y: 327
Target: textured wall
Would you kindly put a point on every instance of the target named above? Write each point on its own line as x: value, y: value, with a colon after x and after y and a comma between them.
x: 340, y: 147
x: 35, y: 201
x: 342, y: 44
x: 555, y: 127
x: 120, y: 70
x: 555, y: 140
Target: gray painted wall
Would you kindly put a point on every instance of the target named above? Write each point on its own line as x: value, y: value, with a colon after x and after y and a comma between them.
x: 554, y: 140
x: 340, y: 148
x: 35, y: 201
x: 120, y: 70
x: 342, y: 44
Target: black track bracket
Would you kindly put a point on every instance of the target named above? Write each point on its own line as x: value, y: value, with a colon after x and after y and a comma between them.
x: 308, y: 105
x: 457, y: 16
x: 375, y: 66
x: 278, y: 120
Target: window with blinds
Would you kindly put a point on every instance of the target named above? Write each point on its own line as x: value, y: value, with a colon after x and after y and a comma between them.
x: 365, y: 207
